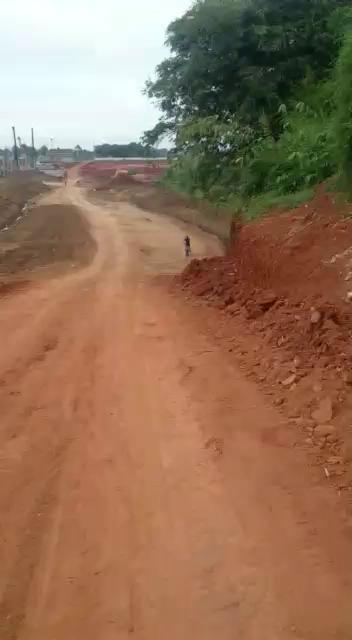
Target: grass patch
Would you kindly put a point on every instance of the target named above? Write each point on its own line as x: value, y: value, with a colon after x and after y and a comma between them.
x: 258, y: 205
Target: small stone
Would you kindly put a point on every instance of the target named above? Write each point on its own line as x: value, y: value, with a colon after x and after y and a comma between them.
x: 315, y: 317
x: 278, y: 402
x: 308, y: 441
x: 329, y: 325
x: 349, y: 296
x: 347, y: 377
x: 343, y: 485
x: 324, y: 430
x: 229, y: 300
x: 335, y: 460
x: 347, y: 451
x: 215, y: 444
x: 267, y: 301
x: 317, y: 388
x: 233, y: 309
x: 289, y: 381
x: 297, y: 362
x: 324, y: 413
x: 294, y: 414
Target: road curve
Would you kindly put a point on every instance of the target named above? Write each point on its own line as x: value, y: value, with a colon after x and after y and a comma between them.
x: 146, y: 487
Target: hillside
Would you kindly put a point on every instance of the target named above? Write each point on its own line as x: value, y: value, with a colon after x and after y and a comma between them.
x: 286, y: 283
x: 256, y: 97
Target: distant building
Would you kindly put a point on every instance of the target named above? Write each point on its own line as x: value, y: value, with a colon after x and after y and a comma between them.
x: 7, y: 161
x: 24, y: 161
x: 53, y: 161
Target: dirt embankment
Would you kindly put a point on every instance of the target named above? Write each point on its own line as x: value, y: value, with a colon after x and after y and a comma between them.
x: 48, y: 235
x: 287, y: 282
x: 34, y: 236
x: 16, y: 191
x: 159, y: 200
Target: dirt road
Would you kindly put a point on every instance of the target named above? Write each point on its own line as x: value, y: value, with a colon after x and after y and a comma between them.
x: 146, y: 489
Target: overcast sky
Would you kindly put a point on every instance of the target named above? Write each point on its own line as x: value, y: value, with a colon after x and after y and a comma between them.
x: 75, y: 69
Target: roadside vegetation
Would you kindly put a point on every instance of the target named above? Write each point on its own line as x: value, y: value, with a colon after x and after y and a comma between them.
x: 257, y: 96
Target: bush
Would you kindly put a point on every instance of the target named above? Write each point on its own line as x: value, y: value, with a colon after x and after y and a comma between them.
x: 245, y: 167
x: 343, y: 116
x: 301, y: 157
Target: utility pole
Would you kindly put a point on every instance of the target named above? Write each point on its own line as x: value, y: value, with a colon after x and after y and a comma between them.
x: 33, y: 150
x: 15, y: 150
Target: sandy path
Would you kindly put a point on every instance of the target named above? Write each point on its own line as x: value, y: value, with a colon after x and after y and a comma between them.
x: 146, y: 489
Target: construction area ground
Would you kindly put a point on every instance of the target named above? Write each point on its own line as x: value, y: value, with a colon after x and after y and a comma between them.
x: 175, y: 439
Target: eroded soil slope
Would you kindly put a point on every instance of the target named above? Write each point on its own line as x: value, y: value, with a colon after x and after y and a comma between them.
x: 286, y: 282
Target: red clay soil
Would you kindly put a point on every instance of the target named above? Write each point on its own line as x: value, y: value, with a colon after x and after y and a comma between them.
x: 109, y: 168
x: 148, y: 490
x: 286, y: 281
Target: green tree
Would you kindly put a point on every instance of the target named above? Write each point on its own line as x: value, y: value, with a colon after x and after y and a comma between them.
x: 131, y: 150
x: 343, y: 117
x: 244, y: 57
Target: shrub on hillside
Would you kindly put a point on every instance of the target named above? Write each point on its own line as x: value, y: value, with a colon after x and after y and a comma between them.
x: 343, y: 116
x: 302, y: 157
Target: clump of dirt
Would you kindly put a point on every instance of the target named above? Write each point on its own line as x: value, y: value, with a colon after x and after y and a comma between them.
x: 118, y: 181
x: 7, y: 288
x: 285, y: 284
x: 47, y: 235
x: 316, y: 325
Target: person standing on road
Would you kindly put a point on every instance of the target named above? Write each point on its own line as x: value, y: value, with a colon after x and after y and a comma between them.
x: 187, y: 243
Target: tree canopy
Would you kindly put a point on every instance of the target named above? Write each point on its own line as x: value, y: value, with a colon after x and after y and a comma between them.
x: 131, y: 150
x: 255, y: 94
x: 243, y: 57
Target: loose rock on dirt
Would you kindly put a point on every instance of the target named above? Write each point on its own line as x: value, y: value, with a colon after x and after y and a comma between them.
x: 324, y: 413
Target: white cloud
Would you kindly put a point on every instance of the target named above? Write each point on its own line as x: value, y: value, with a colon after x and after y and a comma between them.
x: 75, y: 69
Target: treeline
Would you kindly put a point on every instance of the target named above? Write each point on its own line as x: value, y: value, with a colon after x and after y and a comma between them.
x: 257, y: 95
x: 131, y: 150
